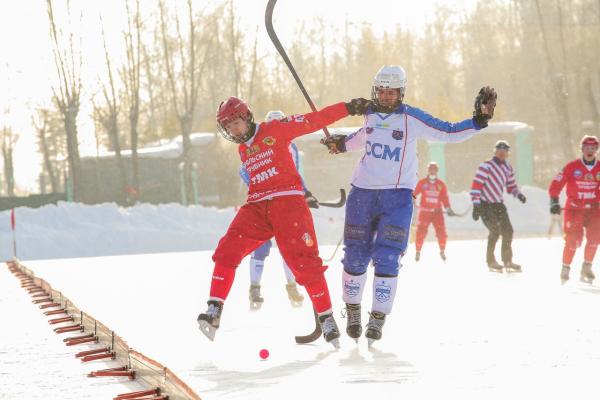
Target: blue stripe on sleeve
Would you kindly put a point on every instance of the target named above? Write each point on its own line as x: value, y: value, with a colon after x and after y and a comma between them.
x: 244, y: 175
x: 440, y: 125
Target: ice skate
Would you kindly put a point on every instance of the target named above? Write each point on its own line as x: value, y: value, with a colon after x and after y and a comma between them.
x: 564, y: 273
x: 443, y: 255
x: 512, y: 267
x: 294, y: 295
x: 331, y: 333
x: 587, y: 276
x: 256, y: 299
x: 495, y: 267
x: 375, y: 327
x: 418, y: 256
x: 209, y: 322
x: 353, y: 324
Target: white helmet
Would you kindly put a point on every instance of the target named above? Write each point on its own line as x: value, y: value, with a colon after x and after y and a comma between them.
x: 275, y: 114
x: 389, y: 77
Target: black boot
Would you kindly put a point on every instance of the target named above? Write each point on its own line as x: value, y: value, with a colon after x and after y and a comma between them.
x: 209, y: 321
x: 375, y: 326
x: 256, y: 299
x: 564, y: 273
x: 353, y: 325
x: 587, y: 275
x: 331, y: 333
x: 495, y: 267
x: 512, y: 267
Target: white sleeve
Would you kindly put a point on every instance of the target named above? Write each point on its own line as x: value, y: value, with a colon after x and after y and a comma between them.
x: 431, y: 128
x: 356, y: 141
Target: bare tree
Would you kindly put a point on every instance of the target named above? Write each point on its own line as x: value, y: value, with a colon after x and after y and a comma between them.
x: 42, y: 124
x: 9, y: 139
x: 183, y: 76
x: 131, y: 77
x: 67, y: 91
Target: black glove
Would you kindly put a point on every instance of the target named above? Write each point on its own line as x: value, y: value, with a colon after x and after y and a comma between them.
x: 485, y: 103
x: 358, y: 106
x: 311, y: 200
x: 450, y: 212
x: 522, y: 198
x: 335, y: 143
x: 554, y: 206
x: 476, y: 211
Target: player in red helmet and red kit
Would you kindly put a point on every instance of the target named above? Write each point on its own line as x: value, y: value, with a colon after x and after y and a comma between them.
x: 582, y: 207
x: 275, y: 206
x: 434, y: 200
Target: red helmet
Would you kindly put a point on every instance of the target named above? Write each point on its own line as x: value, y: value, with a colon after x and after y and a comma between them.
x: 588, y: 140
x: 229, y: 111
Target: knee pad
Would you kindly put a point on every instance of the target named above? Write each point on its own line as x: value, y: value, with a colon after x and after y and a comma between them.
x: 356, y: 259
x: 387, y: 261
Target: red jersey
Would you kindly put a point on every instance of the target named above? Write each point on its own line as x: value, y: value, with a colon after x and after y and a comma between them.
x: 583, y: 184
x: 434, y: 194
x: 267, y: 158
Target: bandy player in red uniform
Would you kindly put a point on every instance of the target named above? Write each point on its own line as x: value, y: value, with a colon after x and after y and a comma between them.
x: 275, y: 206
x: 582, y: 208
x: 434, y: 199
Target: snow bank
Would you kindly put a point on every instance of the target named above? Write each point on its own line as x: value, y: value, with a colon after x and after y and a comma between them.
x: 71, y: 230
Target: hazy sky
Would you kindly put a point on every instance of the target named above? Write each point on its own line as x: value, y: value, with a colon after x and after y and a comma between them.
x: 27, y: 69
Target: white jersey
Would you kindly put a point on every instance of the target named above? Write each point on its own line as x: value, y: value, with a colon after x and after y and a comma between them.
x: 390, y: 145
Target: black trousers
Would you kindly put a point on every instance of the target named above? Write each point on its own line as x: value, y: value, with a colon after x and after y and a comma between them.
x: 495, y: 218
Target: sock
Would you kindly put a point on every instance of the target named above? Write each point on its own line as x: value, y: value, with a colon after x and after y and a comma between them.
x: 384, y: 292
x: 590, y: 252
x: 353, y: 287
x: 256, y: 270
x: 319, y: 295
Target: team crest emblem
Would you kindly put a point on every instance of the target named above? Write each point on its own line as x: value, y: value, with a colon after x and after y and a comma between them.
x: 307, y: 239
x: 589, y: 177
x: 269, y: 140
x: 351, y: 288
x: 577, y: 173
x: 398, y: 135
x: 369, y: 130
x: 252, y: 150
x: 383, y: 292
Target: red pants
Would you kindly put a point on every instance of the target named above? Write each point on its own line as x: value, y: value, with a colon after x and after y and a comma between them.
x: 289, y: 220
x: 575, y: 221
x: 431, y: 217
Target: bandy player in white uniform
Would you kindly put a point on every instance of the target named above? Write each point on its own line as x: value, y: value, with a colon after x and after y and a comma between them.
x: 379, y: 207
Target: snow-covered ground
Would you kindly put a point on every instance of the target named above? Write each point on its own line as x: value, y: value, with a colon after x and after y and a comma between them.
x: 75, y: 230
x: 34, y: 361
x: 457, y: 330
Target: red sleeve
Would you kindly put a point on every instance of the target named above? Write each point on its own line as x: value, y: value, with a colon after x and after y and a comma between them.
x: 298, y: 125
x: 444, y: 196
x: 418, y: 189
x: 559, y: 182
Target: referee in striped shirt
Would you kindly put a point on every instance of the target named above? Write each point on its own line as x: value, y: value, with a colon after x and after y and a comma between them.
x: 491, y: 178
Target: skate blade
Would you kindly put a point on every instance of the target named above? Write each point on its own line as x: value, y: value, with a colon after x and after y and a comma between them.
x: 356, y: 340
x: 335, y: 343
x: 255, y: 305
x: 371, y: 341
x: 207, y: 329
x: 588, y: 281
x: 563, y: 281
x: 296, y: 304
x: 498, y: 271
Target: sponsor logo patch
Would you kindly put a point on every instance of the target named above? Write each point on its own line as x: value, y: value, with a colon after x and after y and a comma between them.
x: 383, y: 292
x: 398, y: 135
x: 577, y: 173
x: 269, y: 140
x: 252, y: 150
x: 308, y: 239
x: 351, y: 288
x: 589, y: 177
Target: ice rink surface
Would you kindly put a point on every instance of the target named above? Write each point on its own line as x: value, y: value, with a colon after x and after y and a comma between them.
x: 457, y: 331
